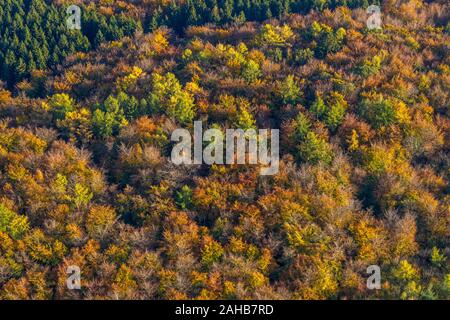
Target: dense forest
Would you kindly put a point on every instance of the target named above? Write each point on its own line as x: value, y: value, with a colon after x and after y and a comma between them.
x: 86, y: 178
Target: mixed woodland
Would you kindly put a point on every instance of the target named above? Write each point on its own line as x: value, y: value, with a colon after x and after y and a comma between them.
x: 86, y: 118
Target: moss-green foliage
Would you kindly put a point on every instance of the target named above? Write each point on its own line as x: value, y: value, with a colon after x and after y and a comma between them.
x: 168, y: 96
x: 34, y: 35
x: 314, y: 149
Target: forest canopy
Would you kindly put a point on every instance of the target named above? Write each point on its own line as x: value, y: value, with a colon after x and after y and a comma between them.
x: 86, y: 178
